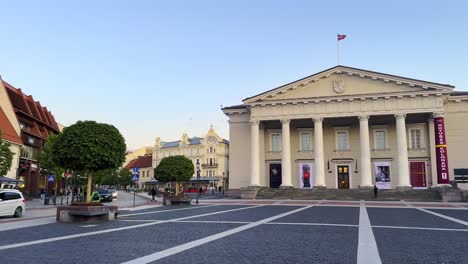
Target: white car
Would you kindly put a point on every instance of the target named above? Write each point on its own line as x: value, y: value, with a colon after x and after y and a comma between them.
x: 12, y: 203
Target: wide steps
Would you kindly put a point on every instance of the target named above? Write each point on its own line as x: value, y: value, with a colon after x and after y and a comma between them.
x: 352, y: 194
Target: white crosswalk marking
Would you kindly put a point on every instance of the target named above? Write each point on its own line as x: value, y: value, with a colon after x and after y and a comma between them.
x: 368, y: 252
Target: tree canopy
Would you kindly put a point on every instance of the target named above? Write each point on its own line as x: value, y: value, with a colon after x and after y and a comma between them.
x: 90, y: 146
x: 46, y: 157
x: 174, y: 169
x: 6, y: 156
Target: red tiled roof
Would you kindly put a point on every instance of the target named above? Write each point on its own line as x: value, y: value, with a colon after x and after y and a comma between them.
x: 8, y: 132
x: 141, y: 162
x: 26, y: 105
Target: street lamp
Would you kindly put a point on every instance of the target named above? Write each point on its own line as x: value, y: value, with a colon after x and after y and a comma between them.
x: 198, y: 181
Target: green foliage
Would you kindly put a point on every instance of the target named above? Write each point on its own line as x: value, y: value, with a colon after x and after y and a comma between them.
x: 105, y: 177
x: 6, y: 156
x: 124, y: 177
x: 174, y: 169
x: 89, y: 146
x: 46, y: 157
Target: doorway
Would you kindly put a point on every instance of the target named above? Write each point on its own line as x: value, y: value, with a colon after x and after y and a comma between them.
x: 275, y: 175
x: 418, y: 174
x: 342, y: 172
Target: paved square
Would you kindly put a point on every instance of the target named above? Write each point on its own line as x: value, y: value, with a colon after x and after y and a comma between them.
x: 251, y: 232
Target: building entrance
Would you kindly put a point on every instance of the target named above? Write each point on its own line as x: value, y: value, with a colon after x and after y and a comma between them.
x: 343, y: 176
x: 275, y: 175
x: 418, y: 174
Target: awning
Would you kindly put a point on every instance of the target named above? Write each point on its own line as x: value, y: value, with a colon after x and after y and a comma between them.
x: 209, y: 178
x: 9, y: 180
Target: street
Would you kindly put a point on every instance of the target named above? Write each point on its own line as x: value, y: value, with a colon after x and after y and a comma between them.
x: 255, y: 231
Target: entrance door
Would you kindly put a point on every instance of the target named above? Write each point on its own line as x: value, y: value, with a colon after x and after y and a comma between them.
x: 343, y: 176
x: 418, y: 174
x: 275, y: 175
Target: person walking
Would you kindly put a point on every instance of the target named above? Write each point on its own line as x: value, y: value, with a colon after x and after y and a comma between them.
x: 376, y: 191
x: 153, y: 194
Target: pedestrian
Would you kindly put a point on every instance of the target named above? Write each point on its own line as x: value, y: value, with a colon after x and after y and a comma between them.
x: 42, y: 194
x: 219, y: 188
x: 200, y: 191
x: 376, y: 191
x: 212, y: 190
x: 153, y: 194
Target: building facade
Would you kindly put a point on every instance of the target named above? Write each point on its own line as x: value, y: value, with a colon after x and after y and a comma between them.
x: 349, y: 128
x: 211, y: 151
x: 144, y: 168
x: 11, y: 131
x: 137, y: 153
x: 35, y: 124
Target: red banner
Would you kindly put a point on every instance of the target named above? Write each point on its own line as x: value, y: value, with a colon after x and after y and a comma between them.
x: 441, y: 151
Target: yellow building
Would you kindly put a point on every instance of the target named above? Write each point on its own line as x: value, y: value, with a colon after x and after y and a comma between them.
x: 211, y: 151
x: 137, y: 153
x: 350, y: 128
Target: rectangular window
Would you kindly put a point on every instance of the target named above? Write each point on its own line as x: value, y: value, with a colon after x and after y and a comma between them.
x: 380, y: 140
x: 415, y: 138
x: 276, y: 142
x: 341, y: 140
x: 305, y: 141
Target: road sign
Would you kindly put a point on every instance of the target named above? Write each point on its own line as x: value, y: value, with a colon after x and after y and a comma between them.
x: 50, y: 178
x: 135, y: 177
x: 135, y: 170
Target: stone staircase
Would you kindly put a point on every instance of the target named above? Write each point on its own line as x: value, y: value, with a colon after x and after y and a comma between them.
x: 350, y: 194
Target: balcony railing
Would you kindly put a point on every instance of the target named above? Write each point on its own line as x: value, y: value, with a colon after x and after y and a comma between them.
x: 28, y: 152
x: 210, y: 165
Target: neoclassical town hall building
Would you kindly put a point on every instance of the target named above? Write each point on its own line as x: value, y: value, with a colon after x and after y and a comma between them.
x: 349, y: 128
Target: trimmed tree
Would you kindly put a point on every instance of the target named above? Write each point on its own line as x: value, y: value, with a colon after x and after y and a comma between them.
x: 47, y: 161
x: 6, y: 156
x: 88, y: 146
x: 176, y: 169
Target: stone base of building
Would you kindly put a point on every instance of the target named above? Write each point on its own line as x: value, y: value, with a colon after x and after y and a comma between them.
x: 404, y: 187
x: 250, y: 192
x: 287, y: 187
x: 320, y: 187
x: 366, y: 187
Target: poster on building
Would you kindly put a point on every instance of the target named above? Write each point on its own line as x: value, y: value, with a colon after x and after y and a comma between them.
x: 382, y: 175
x: 305, y: 175
x: 441, y: 151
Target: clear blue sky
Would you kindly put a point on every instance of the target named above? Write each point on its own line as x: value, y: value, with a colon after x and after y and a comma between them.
x: 149, y: 67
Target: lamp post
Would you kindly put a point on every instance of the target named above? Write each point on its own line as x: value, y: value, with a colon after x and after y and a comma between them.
x: 198, y: 181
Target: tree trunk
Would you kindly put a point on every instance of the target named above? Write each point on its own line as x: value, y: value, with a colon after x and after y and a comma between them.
x: 90, y: 183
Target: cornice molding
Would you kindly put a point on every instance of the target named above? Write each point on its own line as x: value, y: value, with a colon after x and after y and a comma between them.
x: 347, y: 98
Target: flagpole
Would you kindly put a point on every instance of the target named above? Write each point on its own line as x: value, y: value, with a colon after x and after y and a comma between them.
x: 338, y: 46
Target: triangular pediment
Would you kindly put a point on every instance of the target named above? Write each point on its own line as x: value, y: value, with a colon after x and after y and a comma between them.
x: 344, y: 81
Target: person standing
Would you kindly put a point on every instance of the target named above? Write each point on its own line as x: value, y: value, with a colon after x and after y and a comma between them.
x: 42, y: 194
x: 153, y: 194
x: 376, y: 191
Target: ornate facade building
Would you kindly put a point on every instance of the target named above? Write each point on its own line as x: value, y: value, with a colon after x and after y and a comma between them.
x: 349, y: 128
x: 211, y: 151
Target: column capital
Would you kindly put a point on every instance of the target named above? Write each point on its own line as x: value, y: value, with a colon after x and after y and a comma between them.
x: 285, y: 121
x: 400, y: 116
x: 438, y: 114
x: 254, y: 122
x: 318, y: 119
x: 363, y: 118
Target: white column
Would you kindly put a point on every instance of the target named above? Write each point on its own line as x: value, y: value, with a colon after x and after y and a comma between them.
x: 318, y: 152
x: 402, y: 146
x: 432, y: 150
x: 366, y: 174
x: 254, y: 153
x: 286, y: 154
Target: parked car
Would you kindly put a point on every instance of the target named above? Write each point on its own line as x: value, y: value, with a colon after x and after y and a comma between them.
x: 12, y: 203
x: 106, y: 195
x: 113, y: 192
